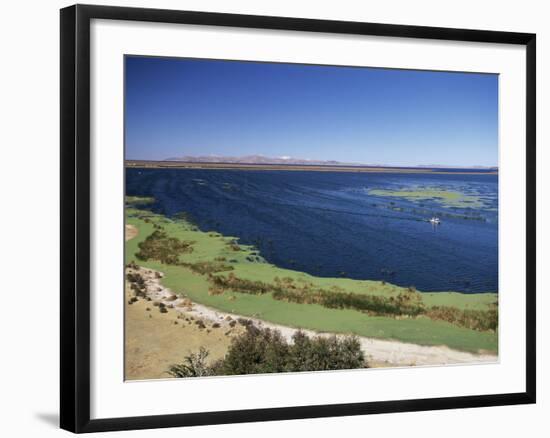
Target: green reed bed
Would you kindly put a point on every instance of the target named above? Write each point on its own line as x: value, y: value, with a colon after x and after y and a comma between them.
x: 217, y: 271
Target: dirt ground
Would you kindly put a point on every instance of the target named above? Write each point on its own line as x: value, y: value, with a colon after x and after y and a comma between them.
x: 154, y: 340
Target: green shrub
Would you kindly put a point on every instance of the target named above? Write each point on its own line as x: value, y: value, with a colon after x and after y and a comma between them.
x: 408, y: 302
x: 234, y: 246
x: 213, y: 290
x: 158, y: 246
x: 481, y: 320
x: 264, y: 350
x: 325, y: 353
x: 256, y: 351
x: 231, y: 281
x: 193, y: 366
x: 208, y: 267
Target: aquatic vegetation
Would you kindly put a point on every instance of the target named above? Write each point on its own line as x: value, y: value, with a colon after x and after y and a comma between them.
x: 340, y: 299
x: 316, y: 218
x: 234, y: 246
x: 207, y: 267
x: 185, y: 218
x: 301, y: 300
x: 232, y: 282
x: 136, y: 201
x: 159, y: 246
x: 446, y: 198
x: 481, y: 320
x: 408, y: 302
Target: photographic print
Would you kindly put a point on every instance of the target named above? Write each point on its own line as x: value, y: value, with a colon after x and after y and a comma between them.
x: 291, y: 217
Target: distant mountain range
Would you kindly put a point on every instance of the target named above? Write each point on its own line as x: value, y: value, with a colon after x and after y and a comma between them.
x: 259, y: 159
x: 262, y: 159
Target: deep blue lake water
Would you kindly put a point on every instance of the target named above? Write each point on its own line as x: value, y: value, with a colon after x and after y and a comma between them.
x: 329, y: 224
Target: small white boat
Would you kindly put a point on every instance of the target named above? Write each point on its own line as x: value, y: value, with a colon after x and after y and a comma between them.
x: 435, y: 220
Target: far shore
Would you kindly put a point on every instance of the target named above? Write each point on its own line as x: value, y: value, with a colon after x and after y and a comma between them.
x: 139, y: 164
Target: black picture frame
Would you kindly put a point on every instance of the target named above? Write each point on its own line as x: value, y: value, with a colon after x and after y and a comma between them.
x: 75, y: 217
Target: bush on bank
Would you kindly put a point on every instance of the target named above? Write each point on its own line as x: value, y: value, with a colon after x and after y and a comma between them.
x: 263, y: 350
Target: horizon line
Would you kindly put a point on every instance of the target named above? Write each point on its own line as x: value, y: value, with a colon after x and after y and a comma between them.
x: 320, y: 163
x: 327, y: 163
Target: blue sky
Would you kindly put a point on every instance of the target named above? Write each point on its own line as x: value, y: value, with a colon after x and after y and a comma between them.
x: 176, y: 107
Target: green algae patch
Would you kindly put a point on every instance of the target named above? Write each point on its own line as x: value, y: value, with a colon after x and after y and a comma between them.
x: 138, y: 201
x: 447, y: 198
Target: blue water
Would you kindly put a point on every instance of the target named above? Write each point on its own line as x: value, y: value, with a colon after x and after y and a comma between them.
x: 327, y: 223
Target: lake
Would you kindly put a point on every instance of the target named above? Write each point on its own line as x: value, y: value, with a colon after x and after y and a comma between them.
x: 370, y: 226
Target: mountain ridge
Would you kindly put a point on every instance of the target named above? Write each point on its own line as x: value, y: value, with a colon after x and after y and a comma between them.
x: 262, y: 159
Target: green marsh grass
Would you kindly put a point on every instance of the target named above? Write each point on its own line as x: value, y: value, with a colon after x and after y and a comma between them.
x: 191, y: 275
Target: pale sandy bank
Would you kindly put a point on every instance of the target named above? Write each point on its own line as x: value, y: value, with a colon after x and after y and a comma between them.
x: 379, y: 353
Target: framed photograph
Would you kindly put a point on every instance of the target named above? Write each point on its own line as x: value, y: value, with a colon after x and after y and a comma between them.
x: 269, y: 218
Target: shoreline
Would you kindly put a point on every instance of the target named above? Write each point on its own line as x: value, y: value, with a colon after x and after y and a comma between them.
x: 379, y: 353
x: 137, y: 164
x: 210, y: 249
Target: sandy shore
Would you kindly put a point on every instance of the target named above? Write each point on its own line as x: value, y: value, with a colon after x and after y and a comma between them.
x: 379, y: 353
x: 154, y: 341
x: 130, y: 232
